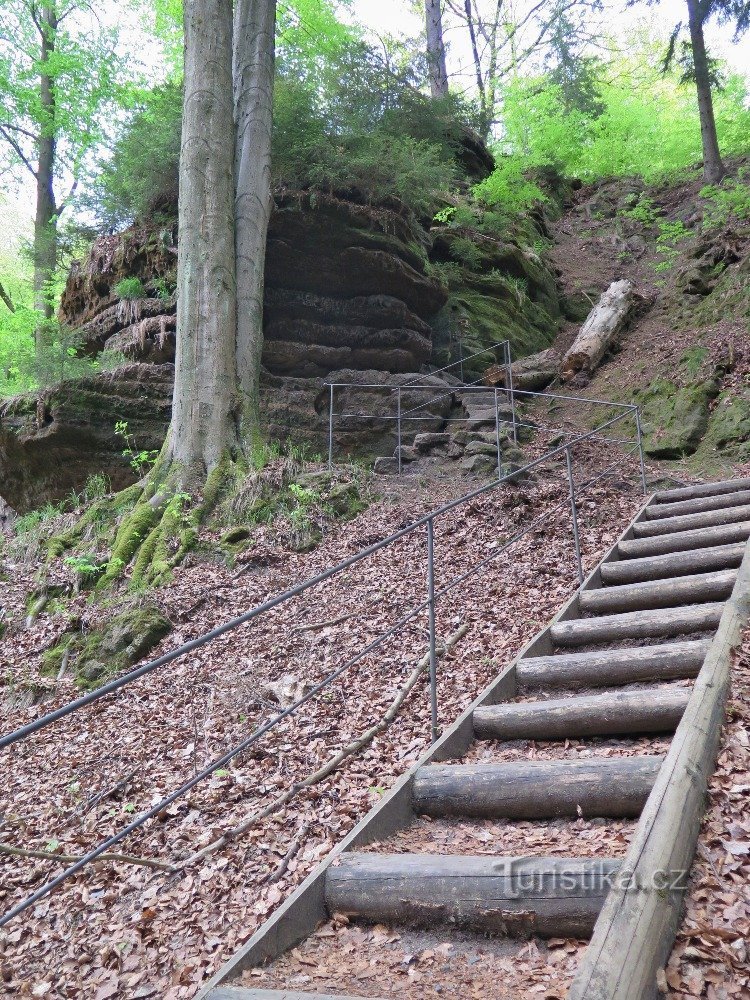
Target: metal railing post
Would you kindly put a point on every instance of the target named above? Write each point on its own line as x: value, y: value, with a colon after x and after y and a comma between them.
x: 330, y: 430
x: 512, y: 394
x: 497, y: 437
x: 574, y: 513
x: 399, y: 431
x: 461, y: 355
x: 433, y: 634
x: 640, y: 449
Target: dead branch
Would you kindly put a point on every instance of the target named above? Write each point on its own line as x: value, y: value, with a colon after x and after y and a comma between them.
x: 281, y: 868
x: 119, y: 786
x: 316, y: 626
x: 334, y: 763
x: 127, y: 859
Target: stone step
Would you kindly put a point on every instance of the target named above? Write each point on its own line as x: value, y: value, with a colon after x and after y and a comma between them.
x: 612, y: 667
x: 638, y: 625
x: 683, y: 541
x: 621, y: 713
x: 699, y: 506
x: 672, y: 565
x: 552, y: 897
x: 668, y: 593
x: 691, y: 522
x: 703, y: 490
x: 539, y: 789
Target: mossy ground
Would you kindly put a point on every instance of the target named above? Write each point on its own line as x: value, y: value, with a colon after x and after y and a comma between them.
x: 124, y: 546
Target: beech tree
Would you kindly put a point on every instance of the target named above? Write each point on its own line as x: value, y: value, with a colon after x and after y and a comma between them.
x: 253, y: 63
x: 224, y: 209
x: 58, y: 76
x: 205, y: 406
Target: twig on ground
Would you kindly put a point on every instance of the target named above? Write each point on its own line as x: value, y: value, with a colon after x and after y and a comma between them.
x: 280, y: 871
x: 127, y: 859
x: 119, y: 786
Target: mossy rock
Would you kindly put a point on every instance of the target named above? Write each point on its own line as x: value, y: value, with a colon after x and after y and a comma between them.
x: 345, y: 500
x: 114, y: 647
x: 675, y: 419
x: 237, y: 536
x: 729, y: 425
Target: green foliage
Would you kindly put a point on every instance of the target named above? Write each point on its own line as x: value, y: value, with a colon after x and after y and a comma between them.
x: 644, y: 211
x: 130, y: 289
x: 141, y: 461
x: 508, y: 189
x: 140, y: 177
x: 644, y: 122
x: 726, y: 201
x: 342, y: 124
x: 671, y: 235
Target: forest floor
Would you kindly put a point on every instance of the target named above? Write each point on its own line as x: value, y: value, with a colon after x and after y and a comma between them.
x: 125, y: 931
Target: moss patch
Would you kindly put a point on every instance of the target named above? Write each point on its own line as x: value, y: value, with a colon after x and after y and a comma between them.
x: 675, y: 419
x: 729, y: 426
x: 111, y: 649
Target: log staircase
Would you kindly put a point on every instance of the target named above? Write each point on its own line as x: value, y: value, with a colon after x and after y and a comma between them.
x: 615, y: 672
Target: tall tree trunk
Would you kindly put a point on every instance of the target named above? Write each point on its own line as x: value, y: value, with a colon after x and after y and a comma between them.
x: 204, y: 425
x: 436, y: 49
x: 45, y: 223
x: 713, y: 166
x: 253, y: 71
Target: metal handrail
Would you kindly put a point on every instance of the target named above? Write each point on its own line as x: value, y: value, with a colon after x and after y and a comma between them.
x: 115, y: 685
x: 430, y: 604
x: 505, y: 344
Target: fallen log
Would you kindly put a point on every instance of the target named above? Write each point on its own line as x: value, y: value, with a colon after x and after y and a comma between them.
x: 531, y: 374
x: 684, y: 541
x: 599, y: 331
x: 667, y: 593
x: 629, y: 665
x: 673, y: 564
x: 638, y: 625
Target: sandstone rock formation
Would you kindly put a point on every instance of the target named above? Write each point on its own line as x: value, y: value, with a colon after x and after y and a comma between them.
x: 354, y: 294
x: 346, y: 287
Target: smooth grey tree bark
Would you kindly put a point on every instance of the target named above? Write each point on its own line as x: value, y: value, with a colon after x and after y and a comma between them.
x: 45, y: 221
x: 713, y: 165
x: 436, y: 49
x: 204, y: 417
x: 253, y: 71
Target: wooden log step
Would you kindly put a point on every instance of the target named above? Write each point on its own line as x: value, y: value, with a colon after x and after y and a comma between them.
x: 682, y: 541
x: 539, y: 789
x: 691, y: 522
x: 668, y: 593
x: 610, y: 667
x: 552, y: 897
x: 703, y: 490
x: 699, y: 506
x: 673, y: 564
x: 637, y: 625
x: 652, y: 710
